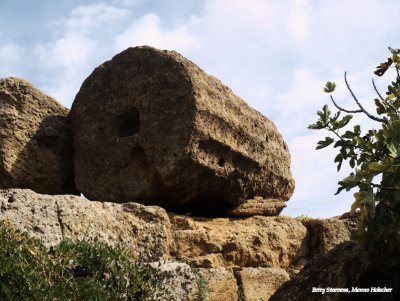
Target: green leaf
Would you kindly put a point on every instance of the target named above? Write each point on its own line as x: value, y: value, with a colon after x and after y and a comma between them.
x: 317, y: 126
x: 349, y: 182
x: 329, y: 87
x: 324, y: 143
x: 326, y: 114
x: 343, y: 152
x: 377, y: 167
x: 393, y: 150
x: 390, y: 96
x: 352, y: 162
x: 339, y: 160
x: 345, y: 120
x: 380, y: 108
x: 348, y: 135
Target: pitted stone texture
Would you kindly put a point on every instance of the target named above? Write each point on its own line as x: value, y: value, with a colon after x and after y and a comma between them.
x: 257, y: 206
x: 342, y: 267
x: 325, y: 234
x: 151, y: 126
x: 348, y: 265
x: 177, y: 281
x: 250, y: 242
x: 220, y: 284
x: 36, y: 145
x: 144, y: 229
x: 260, y: 283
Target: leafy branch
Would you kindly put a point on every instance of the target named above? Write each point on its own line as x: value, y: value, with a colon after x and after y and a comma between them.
x: 374, y: 156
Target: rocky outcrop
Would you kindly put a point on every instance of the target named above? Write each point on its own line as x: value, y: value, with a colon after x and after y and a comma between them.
x: 338, y: 269
x: 151, y: 126
x: 263, y: 251
x: 349, y: 268
x: 35, y: 140
x: 143, y: 229
x: 250, y: 242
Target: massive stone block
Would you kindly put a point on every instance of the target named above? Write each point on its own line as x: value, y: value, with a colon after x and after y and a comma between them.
x: 145, y: 230
x: 35, y: 140
x: 151, y: 126
x: 258, y: 241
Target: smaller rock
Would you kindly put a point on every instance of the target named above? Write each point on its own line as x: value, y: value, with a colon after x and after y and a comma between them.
x: 274, y: 241
x: 260, y: 283
x: 220, y: 284
x: 177, y: 281
x: 325, y: 234
x: 258, y: 206
x: 36, y: 146
x: 342, y: 267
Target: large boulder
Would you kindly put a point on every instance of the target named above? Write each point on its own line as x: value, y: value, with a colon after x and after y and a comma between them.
x: 151, y: 126
x: 36, y: 146
x: 145, y: 230
x: 258, y: 241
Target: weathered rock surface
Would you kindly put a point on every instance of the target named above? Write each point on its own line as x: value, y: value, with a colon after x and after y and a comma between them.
x: 220, y: 284
x: 144, y: 229
x: 36, y: 145
x: 151, y: 126
x: 257, y: 206
x: 347, y: 266
x: 250, y: 242
x: 177, y: 281
x: 342, y: 267
x: 260, y: 283
x: 325, y: 234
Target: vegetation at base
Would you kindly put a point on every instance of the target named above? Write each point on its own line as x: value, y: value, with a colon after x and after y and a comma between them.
x: 201, y: 284
x: 74, y: 270
x: 374, y: 156
x: 241, y: 296
x: 304, y: 218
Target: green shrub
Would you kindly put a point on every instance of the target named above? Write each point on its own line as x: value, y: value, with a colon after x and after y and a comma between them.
x: 74, y: 270
x: 373, y: 155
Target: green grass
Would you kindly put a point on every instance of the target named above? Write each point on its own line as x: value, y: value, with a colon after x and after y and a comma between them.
x: 73, y: 270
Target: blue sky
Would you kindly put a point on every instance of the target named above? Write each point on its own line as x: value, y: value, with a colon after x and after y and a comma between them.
x: 276, y: 55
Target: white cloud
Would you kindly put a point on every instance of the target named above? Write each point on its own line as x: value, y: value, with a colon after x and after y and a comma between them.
x: 82, y: 45
x: 127, y: 2
x: 299, y: 19
x: 70, y: 52
x: 11, y: 57
x: 148, y: 30
x: 295, y: 108
x: 87, y: 17
x: 316, y: 179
